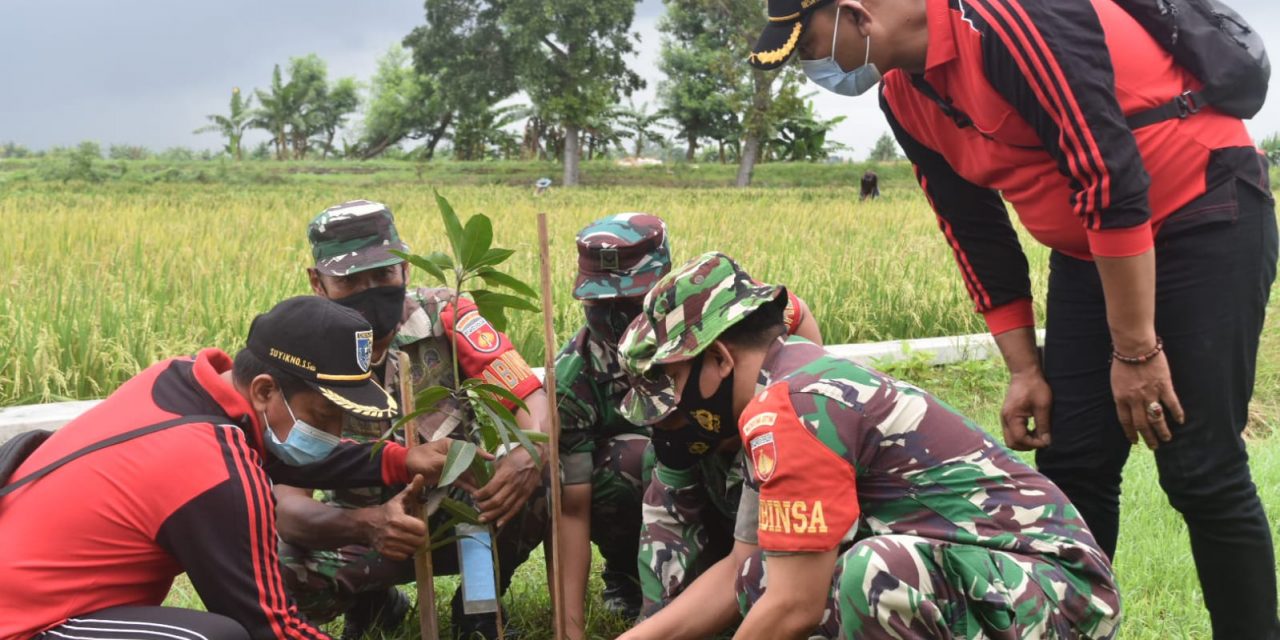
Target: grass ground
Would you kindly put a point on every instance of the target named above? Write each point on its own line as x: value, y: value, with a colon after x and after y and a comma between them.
x: 99, y: 280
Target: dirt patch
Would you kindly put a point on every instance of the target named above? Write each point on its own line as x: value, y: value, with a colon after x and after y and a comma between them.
x: 1261, y: 424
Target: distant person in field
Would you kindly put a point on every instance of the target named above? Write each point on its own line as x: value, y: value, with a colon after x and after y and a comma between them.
x: 870, y: 186
x: 681, y: 520
x: 95, y: 544
x: 1163, y: 237
x: 874, y: 510
x: 345, y: 553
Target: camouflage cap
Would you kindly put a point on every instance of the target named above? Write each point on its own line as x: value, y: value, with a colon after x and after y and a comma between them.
x: 354, y: 236
x: 686, y: 311
x: 621, y: 256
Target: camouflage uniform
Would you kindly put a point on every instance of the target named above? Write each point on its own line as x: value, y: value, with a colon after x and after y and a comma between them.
x: 688, y: 523
x: 619, y: 259
x: 941, y: 532
x: 326, y: 583
x: 690, y: 514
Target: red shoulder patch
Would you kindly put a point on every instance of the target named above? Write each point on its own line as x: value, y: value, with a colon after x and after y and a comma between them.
x: 478, y: 332
x: 808, y: 493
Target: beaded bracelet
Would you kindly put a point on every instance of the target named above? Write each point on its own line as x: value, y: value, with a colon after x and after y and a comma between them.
x: 1142, y: 359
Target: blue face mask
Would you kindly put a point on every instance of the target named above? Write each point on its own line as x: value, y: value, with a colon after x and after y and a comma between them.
x: 304, y: 445
x: 827, y: 73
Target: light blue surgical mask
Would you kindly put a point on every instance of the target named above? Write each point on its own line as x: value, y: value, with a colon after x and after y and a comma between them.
x: 827, y: 73
x: 304, y: 445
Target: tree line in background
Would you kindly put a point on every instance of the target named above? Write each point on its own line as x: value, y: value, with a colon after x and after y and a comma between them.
x: 545, y: 79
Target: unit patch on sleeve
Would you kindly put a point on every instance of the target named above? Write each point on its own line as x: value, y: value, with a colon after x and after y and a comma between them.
x: 478, y: 332
x: 764, y: 456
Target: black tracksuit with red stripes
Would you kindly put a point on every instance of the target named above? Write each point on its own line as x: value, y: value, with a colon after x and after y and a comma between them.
x: 1027, y: 101
x: 113, y: 528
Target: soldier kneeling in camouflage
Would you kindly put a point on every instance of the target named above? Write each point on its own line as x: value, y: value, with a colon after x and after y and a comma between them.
x: 346, y: 553
x: 686, y: 520
x: 882, y: 513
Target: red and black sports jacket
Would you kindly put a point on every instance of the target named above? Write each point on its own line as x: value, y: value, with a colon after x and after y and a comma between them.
x: 1028, y: 99
x: 115, y: 527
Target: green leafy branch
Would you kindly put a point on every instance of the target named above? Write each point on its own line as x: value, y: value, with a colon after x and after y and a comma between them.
x: 471, y: 270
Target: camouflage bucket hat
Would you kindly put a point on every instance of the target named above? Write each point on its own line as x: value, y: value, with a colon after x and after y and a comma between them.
x: 686, y: 311
x: 354, y: 236
x: 621, y: 256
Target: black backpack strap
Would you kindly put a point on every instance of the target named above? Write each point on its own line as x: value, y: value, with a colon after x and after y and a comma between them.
x: 957, y: 116
x: 113, y: 440
x: 1186, y: 104
x: 949, y: 109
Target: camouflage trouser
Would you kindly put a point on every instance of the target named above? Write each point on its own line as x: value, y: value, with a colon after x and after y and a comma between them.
x: 616, y: 492
x: 325, y: 583
x: 907, y: 587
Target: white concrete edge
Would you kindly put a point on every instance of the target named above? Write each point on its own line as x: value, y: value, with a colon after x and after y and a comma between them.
x: 939, y: 351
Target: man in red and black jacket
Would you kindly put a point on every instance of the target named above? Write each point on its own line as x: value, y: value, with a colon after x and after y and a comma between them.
x: 102, y: 538
x: 1163, y: 238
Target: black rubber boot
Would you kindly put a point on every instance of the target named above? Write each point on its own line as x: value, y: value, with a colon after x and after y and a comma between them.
x: 621, y: 595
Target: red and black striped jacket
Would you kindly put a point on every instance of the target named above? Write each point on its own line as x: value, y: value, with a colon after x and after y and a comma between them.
x: 1028, y: 99
x: 115, y: 527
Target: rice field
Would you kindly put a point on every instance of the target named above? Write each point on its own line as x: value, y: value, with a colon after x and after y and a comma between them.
x: 97, y: 281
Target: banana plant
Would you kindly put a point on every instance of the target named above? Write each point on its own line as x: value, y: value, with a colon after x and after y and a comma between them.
x: 469, y: 270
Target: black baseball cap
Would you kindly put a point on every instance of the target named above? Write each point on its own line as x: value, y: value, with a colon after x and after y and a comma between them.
x: 326, y: 345
x: 778, y: 41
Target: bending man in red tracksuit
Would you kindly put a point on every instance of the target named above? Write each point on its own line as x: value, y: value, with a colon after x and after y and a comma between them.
x: 1163, y: 234
x: 102, y: 538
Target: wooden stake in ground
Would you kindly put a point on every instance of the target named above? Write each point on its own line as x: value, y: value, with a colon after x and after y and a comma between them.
x: 553, y: 419
x: 423, y: 572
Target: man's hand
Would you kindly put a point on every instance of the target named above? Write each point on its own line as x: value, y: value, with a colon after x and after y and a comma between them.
x: 1027, y: 398
x: 428, y: 459
x: 1139, y: 388
x: 394, y: 533
x: 515, y: 478
x: 1143, y: 392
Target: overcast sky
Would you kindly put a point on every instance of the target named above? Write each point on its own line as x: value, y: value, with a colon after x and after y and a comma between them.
x: 147, y: 71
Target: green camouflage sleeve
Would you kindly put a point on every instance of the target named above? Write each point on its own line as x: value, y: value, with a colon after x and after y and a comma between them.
x: 575, y: 401
x: 671, y: 535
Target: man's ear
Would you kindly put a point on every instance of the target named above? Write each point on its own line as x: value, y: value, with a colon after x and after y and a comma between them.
x: 860, y: 14
x: 721, y: 359
x: 261, y: 389
x: 317, y: 285
x: 405, y: 278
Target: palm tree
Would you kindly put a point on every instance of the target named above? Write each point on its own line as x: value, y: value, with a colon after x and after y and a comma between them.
x: 802, y: 136
x: 331, y: 112
x: 232, y: 125
x: 278, y: 110
x: 640, y: 124
x: 477, y: 133
x: 599, y: 133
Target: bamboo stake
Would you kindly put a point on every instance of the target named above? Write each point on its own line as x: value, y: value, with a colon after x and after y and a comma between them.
x: 553, y: 419
x: 423, y: 572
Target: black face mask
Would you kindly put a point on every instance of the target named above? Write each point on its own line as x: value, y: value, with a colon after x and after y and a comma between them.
x: 607, y: 322
x: 383, y: 307
x: 710, y: 423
